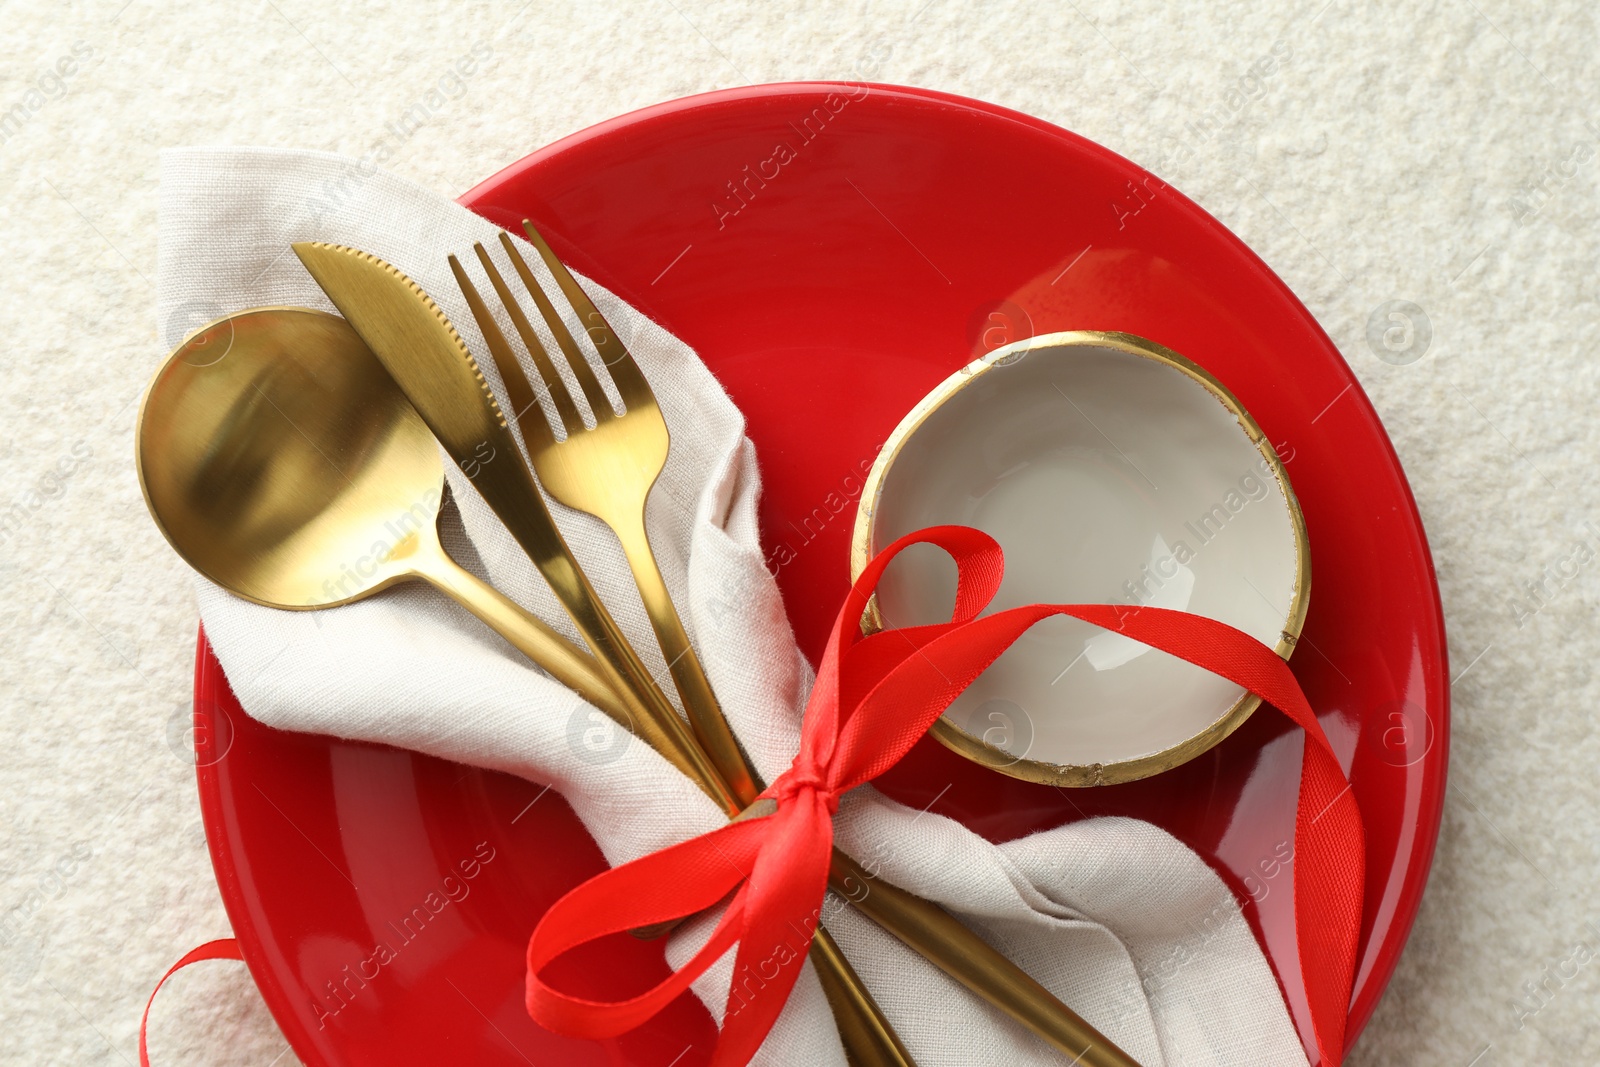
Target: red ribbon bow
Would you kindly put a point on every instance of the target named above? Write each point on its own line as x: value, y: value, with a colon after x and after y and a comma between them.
x: 874, y: 697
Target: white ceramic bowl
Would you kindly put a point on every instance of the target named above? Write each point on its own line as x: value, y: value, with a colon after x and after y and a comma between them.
x: 1111, y: 470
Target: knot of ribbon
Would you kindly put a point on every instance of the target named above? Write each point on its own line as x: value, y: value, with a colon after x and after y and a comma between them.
x: 874, y: 697
x: 794, y: 782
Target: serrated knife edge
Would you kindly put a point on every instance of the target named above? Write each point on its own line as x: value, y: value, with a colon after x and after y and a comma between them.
x: 312, y: 254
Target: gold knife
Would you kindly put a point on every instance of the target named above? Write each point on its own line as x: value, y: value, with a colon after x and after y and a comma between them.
x: 431, y: 364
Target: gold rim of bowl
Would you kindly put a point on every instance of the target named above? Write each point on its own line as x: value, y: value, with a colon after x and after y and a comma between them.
x: 978, y: 750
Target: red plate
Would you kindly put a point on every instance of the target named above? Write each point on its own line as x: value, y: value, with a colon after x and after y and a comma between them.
x: 830, y: 283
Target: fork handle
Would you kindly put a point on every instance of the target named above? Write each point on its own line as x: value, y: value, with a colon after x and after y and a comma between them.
x: 694, y: 689
x: 868, y: 1038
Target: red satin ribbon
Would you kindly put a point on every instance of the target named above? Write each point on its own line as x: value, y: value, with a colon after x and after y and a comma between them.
x: 874, y: 698
x: 224, y: 948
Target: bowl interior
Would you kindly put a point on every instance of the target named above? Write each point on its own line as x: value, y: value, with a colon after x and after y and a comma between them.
x: 1110, y: 471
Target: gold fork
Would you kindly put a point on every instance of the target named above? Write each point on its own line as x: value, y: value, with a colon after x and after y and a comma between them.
x: 608, y: 470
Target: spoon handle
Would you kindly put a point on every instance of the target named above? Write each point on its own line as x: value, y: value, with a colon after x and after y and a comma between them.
x: 561, y: 659
x: 564, y: 661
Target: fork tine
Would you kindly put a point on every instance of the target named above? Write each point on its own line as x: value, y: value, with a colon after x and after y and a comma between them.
x: 530, y: 418
x: 625, y: 374
x: 599, y: 403
x: 559, y: 396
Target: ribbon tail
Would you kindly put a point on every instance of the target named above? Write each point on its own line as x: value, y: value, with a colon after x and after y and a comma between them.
x: 786, y: 891
x: 1329, y: 882
x: 224, y: 948
x: 1330, y: 843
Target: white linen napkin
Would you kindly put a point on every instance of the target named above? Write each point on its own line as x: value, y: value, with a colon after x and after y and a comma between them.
x: 1120, y: 920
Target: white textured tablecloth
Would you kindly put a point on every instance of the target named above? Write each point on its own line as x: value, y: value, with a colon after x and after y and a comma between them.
x: 1440, y: 153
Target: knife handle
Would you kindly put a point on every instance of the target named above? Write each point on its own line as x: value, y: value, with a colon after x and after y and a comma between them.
x: 942, y: 940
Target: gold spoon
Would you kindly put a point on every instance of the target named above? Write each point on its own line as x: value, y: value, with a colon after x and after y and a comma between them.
x: 282, y: 462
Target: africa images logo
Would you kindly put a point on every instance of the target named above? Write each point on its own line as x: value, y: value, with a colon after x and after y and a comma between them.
x: 353, y: 978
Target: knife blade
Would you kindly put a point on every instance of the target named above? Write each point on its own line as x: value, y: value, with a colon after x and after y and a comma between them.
x: 427, y: 358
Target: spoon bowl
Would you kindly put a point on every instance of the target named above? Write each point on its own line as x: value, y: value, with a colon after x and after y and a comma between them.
x: 283, y: 463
